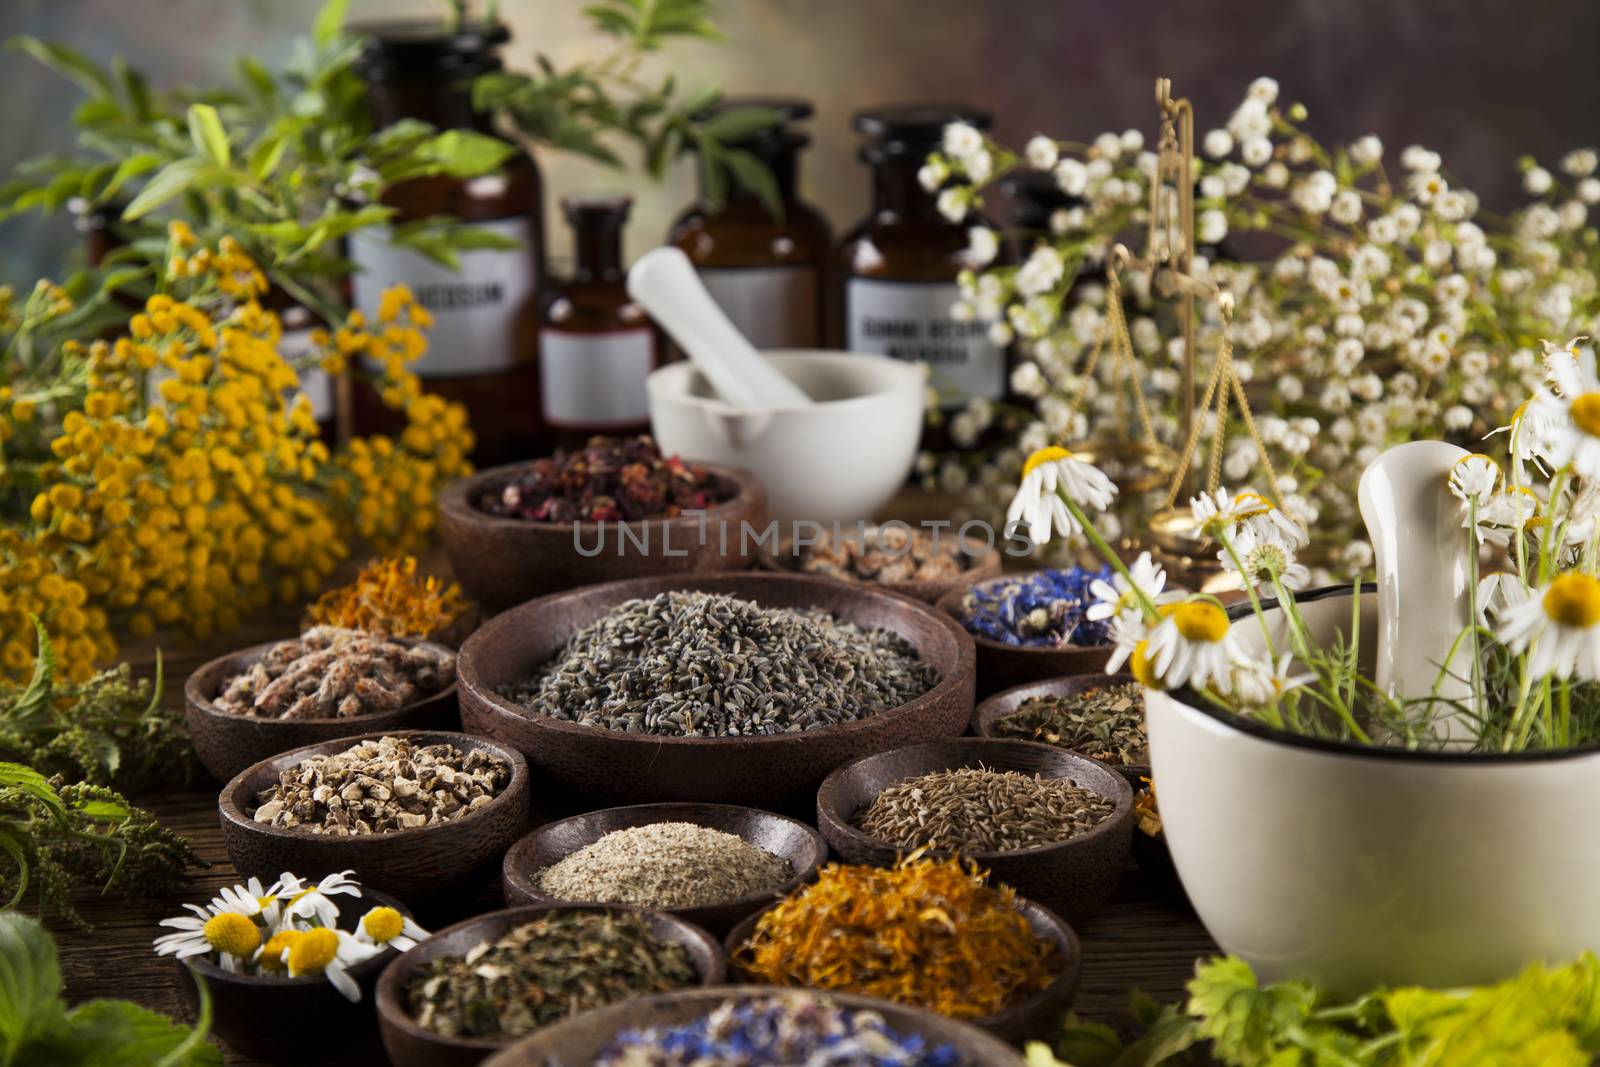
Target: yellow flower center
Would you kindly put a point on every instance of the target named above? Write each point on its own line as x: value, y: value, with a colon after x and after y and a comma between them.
x: 312, y: 951
x: 1251, y: 505
x: 382, y: 924
x: 1585, y: 412
x: 233, y: 934
x: 1139, y: 665
x: 1573, y: 600
x: 1049, y: 454
x: 1201, y: 620
x: 272, y: 952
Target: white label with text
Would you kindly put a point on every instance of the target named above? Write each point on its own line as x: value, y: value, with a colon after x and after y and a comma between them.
x: 594, y: 380
x: 911, y: 321
x: 775, y: 307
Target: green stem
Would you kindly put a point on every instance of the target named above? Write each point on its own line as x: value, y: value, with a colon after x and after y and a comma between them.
x: 1147, y: 605
x: 1250, y: 591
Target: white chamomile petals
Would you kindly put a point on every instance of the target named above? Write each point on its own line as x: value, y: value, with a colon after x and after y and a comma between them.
x: 1051, y: 477
x: 1559, y: 628
x: 1194, y: 646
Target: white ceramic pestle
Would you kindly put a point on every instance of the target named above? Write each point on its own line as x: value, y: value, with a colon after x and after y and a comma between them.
x: 1424, y: 569
x: 665, y: 283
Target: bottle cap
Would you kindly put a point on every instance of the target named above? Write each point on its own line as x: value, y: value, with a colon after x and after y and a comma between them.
x: 895, y: 130
x: 780, y: 136
x: 425, y: 48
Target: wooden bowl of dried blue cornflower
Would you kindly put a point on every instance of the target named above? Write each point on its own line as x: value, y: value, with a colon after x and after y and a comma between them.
x: 1028, y: 627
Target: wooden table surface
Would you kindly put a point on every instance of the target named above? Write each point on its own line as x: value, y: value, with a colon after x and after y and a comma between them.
x: 1139, y: 940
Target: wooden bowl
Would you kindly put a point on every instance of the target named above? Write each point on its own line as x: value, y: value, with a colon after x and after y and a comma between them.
x: 982, y: 563
x: 580, y: 1041
x: 757, y: 771
x: 502, y: 561
x: 411, y: 1045
x: 786, y: 838
x: 1034, y: 1018
x: 228, y: 743
x: 413, y: 865
x: 247, y: 1010
x: 1003, y: 703
x: 1075, y: 877
x: 1003, y: 666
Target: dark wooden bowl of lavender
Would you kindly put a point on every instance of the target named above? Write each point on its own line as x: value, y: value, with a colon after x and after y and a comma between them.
x: 1075, y: 876
x: 1005, y: 702
x: 228, y: 743
x: 580, y: 1041
x: 1032, y: 1018
x: 503, y: 561
x: 326, y: 1027
x: 420, y: 865
x: 412, y: 1045
x: 789, y: 839
x: 980, y: 561
x: 1001, y: 666
x: 757, y: 771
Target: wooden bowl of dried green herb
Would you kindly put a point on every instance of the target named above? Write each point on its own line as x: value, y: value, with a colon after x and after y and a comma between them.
x: 437, y: 1010
x: 1099, y: 716
x: 1056, y: 826
x: 709, y: 864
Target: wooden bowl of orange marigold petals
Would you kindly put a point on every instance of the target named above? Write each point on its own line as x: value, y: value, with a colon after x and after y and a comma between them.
x: 390, y: 598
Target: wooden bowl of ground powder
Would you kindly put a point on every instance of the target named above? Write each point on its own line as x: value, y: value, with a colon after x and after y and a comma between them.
x: 710, y: 864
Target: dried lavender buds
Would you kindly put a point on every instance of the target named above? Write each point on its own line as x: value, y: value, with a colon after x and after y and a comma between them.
x: 1106, y: 724
x: 379, y: 787
x: 664, y: 865
x: 609, y: 480
x: 330, y: 673
x: 691, y: 664
x: 888, y: 555
x: 975, y: 809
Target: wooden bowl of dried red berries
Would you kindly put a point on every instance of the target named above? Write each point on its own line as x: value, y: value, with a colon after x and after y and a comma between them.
x: 614, y: 509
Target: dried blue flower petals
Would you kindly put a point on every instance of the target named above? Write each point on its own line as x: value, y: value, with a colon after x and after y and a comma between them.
x: 1044, y: 609
x: 778, y: 1030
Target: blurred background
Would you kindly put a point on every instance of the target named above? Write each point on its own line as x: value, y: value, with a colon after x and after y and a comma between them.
x: 1481, y: 81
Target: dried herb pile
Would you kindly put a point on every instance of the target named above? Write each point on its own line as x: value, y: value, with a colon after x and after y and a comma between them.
x: 664, y: 865
x: 929, y: 933
x: 608, y: 480
x: 975, y: 809
x: 1105, y: 724
x: 1041, y: 610
x: 332, y: 673
x: 545, y: 971
x: 388, y: 597
x: 888, y: 555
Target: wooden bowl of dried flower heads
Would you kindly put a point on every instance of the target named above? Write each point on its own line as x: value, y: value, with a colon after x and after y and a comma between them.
x: 323, y: 1025
x: 986, y: 719
x: 581, y: 1040
x: 425, y: 865
x: 1001, y: 666
x: 974, y: 561
x: 789, y: 839
x: 503, y: 561
x: 410, y: 1044
x: 1075, y: 876
x: 761, y: 771
x: 1035, y: 1017
x: 228, y: 743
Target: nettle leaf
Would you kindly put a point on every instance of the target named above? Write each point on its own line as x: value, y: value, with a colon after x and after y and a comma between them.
x: 30, y: 984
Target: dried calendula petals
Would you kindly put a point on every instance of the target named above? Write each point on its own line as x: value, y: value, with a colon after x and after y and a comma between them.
x: 388, y: 597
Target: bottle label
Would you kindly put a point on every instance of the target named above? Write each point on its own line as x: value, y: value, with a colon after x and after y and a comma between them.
x: 775, y: 307
x: 911, y: 321
x: 293, y: 345
x: 475, y: 310
x: 595, y: 380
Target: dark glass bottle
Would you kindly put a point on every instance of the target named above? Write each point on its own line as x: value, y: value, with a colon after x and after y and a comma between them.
x: 596, y: 346
x: 481, y: 349
x: 898, y: 267
x: 769, y: 274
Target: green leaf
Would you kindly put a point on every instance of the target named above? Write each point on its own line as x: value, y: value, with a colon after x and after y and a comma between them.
x: 170, y: 181
x: 135, y: 89
x: 753, y: 174
x: 329, y: 22
x: 30, y: 984
x: 37, y: 695
x: 119, y: 1033
x: 266, y: 155
x: 258, y: 78
x: 205, y: 130
x: 465, y: 154
x: 134, y: 166
x: 70, y: 64
x: 737, y: 123
x: 15, y: 847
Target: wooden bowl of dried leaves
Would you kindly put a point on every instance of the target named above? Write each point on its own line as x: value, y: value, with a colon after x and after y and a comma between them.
x: 674, y: 858
x: 582, y: 1040
x: 1056, y: 827
x: 891, y: 556
x: 536, y: 962
x: 1099, y: 716
x: 601, y: 687
x: 439, y: 808
x: 228, y: 741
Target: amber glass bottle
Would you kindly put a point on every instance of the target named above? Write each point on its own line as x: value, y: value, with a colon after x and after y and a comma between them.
x: 596, y: 346
x: 898, y: 267
x: 481, y: 348
x: 768, y: 273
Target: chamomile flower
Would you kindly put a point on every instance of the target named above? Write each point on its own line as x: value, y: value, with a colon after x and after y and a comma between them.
x: 232, y: 935
x: 1264, y: 551
x: 1194, y: 645
x: 1570, y: 412
x: 1261, y: 683
x: 311, y: 902
x: 1474, y: 478
x: 1051, y: 477
x: 253, y: 899
x: 1497, y: 594
x: 1218, y: 511
x: 384, y: 925
x: 1118, y: 597
x: 1559, y: 628
x: 330, y: 952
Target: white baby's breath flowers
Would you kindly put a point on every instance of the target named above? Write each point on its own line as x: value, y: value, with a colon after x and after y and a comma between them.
x: 1537, y: 181
x: 1211, y: 227
x: 1217, y: 144
x: 954, y: 204
x: 1041, y: 271
x: 932, y: 175
x: 1559, y: 627
x: 982, y: 246
x: 961, y: 140
x: 1042, y: 152
x: 1072, y: 177
x: 1366, y: 151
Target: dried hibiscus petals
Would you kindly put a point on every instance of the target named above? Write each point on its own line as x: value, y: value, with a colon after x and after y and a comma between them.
x: 611, y: 479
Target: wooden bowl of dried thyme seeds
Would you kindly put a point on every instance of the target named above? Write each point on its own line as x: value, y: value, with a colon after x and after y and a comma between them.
x: 709, y: 864
x: 439, y: 811
x: 228, y: 741
x: 738, y: 689
x: 1100, y: 716
x: 636, y: 951
x: 1055, y: 826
